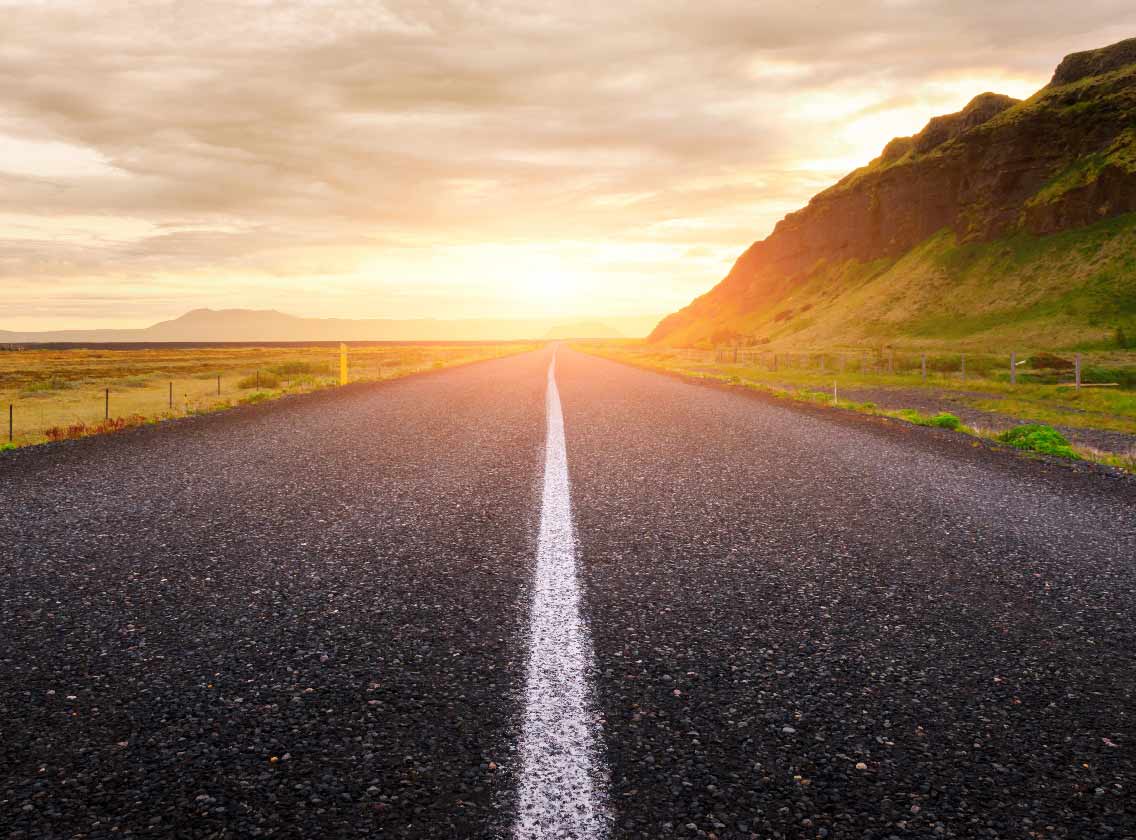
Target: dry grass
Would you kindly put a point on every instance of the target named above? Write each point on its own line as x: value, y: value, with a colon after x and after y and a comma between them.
x: 60, y: 394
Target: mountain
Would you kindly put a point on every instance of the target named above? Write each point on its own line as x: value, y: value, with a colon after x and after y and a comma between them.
x: 1010, y: 221
x: 253, y: 325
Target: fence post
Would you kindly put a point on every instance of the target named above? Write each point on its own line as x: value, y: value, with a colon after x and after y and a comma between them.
x: 171, y: 395
x: 735, y: 354
x: 1077, y: 366
x: 774, y: 361
x: 107, y: 411
x: 11, y: 437
x: 923, y: 364
x: 1013, y: 368
x: 218, y: 384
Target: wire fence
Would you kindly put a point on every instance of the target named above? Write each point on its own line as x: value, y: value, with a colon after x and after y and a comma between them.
x: 1075, y: 370
x: 62, y: 394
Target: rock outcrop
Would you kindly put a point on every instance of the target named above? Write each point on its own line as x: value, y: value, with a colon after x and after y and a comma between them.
x: 1064, y: 158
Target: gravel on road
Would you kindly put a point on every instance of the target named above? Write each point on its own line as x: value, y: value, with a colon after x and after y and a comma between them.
x: 311, y: 619
x: 304, y: 620
x: 811, y: 626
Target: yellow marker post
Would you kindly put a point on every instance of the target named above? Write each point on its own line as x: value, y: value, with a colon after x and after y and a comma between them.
x: 342, y: 363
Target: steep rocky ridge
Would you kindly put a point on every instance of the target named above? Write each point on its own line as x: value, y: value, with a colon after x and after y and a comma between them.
x: 1063, y: 159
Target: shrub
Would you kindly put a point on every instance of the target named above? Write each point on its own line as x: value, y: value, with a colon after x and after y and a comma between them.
x: 6, y: 446
x: 290, y: 369
x: 81, y: 429
x: 267, y: 380
x: 1035, y: 437
x: 44, y: 385
x: 945, y: 420
x: 252, y: 399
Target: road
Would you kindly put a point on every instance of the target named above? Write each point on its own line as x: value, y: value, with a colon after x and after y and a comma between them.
x: 322, y: 618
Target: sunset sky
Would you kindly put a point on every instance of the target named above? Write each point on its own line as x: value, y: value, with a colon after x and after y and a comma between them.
x: 456, y: 159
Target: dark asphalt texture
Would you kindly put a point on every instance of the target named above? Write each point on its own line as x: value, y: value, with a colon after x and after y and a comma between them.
x: 341, y: 583
x: 308, y: 619
x: 818, y: 627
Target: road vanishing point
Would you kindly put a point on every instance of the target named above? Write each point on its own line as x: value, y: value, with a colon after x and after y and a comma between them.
x: 553, y: 596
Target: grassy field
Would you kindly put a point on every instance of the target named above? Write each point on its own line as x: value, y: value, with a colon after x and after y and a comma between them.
x: 56, y: 394
x: 1041, y: 394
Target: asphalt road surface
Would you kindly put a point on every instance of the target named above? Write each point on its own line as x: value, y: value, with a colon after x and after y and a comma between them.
x: 323, y: 618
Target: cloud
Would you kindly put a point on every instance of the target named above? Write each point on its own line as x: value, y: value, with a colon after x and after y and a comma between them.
x: 275, y: 138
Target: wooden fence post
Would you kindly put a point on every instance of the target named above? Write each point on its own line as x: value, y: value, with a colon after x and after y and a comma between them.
x: 107, y: 411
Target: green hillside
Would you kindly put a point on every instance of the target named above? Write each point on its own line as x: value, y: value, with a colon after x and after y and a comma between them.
x: 1071, y: 289
x: 1007, y: 223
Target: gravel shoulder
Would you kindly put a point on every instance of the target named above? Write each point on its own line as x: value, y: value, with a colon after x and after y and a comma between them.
x: 932, y: 401
x: 300, y: 620
x: 808, y: 625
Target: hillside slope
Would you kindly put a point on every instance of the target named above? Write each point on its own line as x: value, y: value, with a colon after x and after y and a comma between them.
x: 1009, y: 220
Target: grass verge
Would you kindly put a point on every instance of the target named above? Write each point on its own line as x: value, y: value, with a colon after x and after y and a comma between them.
x: 1033, y: 438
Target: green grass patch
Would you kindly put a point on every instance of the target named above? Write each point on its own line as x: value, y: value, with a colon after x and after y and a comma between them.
x: 942, y: 420
x: 946, y: 420
x: 1034, y: 437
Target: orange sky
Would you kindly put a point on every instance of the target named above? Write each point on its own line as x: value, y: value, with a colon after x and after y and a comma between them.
x: 456, y: 159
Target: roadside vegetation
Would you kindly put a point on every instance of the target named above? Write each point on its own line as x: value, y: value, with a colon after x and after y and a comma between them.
x: 1032, y: 407
x: 62, y: 394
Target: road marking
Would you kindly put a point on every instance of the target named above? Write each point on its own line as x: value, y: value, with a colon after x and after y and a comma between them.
x: 562, y: 774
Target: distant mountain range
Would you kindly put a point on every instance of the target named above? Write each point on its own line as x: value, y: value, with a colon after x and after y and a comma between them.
x: 253, y: 325
x: 1010, y: 223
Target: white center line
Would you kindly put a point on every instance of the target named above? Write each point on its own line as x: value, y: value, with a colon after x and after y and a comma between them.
x: 563, y: 777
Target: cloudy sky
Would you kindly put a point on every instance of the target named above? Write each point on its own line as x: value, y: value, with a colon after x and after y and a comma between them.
x: 456, y: 158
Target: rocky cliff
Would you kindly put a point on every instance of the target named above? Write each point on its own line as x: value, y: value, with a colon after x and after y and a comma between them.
x: 1063, y: 159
